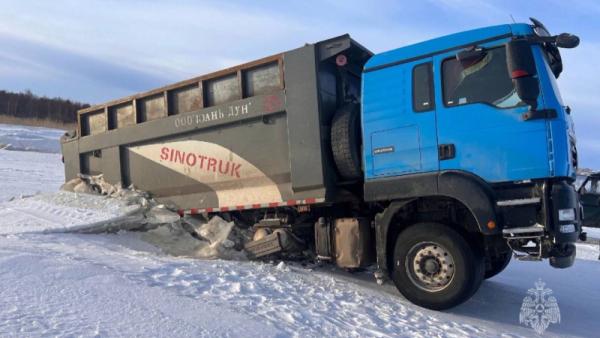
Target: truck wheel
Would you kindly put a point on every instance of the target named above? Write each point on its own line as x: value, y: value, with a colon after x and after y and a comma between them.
x: 498, y: 264
x: 345, y: 141
x: 434, y: 266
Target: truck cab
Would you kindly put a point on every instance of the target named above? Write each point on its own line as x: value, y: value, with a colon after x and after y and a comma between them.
x: 474, y: 121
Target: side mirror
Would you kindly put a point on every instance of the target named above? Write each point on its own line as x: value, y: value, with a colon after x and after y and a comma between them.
x: 566, y: 40
x: 522, y: 70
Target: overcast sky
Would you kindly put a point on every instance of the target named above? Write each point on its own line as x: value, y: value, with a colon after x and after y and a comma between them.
x: 94, y: 51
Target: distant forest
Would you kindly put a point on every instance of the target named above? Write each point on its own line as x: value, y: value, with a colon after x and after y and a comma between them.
x: 26, y: 105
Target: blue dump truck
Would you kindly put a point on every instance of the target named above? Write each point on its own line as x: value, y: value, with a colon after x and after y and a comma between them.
x: 434, y: 162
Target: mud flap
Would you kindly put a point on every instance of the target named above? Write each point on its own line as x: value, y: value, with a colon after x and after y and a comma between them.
x: 382, y: 224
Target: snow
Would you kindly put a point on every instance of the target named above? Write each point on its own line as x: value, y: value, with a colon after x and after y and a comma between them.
x: 58, y: 283
x: 27, y: 173
x: 592, y: 233
x: 61, y: 212
x: 76, y: 286
x: 38, y: 139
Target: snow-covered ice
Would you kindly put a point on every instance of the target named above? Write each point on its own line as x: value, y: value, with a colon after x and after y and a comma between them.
x: 69, y: 284
x: 23, y: 171
x: 61, y: 212
x: 27, y: 173
x: 26, y: 138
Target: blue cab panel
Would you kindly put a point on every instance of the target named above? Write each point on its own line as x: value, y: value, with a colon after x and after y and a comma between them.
x: 488, y: 139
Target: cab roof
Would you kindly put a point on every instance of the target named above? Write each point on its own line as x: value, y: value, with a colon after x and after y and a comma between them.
x: 445, y: 43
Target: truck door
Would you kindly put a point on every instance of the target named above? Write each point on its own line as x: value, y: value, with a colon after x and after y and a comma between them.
x: 399, y: 120
x: 480, y: 125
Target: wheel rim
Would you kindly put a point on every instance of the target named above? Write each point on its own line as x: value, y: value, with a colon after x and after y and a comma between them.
x: 430, y: 266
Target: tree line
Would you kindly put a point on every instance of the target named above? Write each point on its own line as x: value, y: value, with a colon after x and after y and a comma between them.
x: 30, y: 106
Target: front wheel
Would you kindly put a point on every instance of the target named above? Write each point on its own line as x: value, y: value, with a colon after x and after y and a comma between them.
x: 434, y: 266
x: 498, y: 264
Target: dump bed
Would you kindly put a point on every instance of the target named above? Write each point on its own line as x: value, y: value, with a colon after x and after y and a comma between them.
x: 250, y: 136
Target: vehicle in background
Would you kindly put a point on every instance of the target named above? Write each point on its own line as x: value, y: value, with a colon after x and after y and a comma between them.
x: 436, y: 160
x: 588, y: 186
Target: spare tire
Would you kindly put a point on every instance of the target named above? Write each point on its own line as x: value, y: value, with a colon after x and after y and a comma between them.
x: 345, y: 141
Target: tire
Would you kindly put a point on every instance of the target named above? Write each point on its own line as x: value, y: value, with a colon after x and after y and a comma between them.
x: 457, y: 275
x: 498, y: 264
x: 345, y: 141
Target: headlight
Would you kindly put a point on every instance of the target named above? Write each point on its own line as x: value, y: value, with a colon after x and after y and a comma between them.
x: 566, y: 214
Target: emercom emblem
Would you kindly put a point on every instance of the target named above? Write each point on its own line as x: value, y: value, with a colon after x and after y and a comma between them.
x: 539, y: 308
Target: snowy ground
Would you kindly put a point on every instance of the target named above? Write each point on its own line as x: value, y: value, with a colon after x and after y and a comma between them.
x: 65, y: 284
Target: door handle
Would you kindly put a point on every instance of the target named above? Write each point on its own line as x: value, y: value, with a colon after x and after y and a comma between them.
x: 446, y: 151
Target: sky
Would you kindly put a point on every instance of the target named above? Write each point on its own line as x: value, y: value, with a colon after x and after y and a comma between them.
x: 94, y: 51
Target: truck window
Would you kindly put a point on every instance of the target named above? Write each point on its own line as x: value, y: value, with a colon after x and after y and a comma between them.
x: 485, y: 80
x: 422, y: 85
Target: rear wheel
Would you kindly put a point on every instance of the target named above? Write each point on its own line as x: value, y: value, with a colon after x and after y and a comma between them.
x: 434, y: 266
